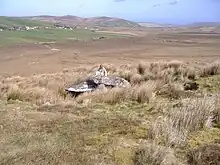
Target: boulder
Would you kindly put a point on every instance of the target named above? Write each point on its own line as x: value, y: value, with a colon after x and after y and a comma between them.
x: 96, y: 83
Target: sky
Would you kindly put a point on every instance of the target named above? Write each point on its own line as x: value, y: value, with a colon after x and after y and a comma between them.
x: 160, y: 11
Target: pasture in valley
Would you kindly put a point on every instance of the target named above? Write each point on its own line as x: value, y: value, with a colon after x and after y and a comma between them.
x: 52, y: 35
x: 156, y: 121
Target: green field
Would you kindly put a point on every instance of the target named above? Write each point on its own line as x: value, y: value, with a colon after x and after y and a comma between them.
x: 50, y: 35
x: 44, y: 35
x: 10, y: 21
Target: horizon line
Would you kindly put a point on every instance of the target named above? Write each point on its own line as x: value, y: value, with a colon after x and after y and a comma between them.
x: 156, y: 22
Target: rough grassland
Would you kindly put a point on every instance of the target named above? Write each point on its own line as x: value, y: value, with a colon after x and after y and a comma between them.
x: 154, y: 122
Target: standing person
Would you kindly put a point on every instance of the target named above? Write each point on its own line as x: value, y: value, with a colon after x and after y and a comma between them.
x: 101, y: 71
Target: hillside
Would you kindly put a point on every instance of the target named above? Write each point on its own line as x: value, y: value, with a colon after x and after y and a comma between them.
x: 16, y: 30
x: 90, y: 22
x: 15, y: 21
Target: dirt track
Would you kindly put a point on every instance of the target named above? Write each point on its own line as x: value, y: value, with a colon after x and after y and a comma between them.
x: 34, y: 59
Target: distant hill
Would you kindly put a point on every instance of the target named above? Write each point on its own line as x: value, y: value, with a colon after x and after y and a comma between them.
x: 205, y: 24
x: 17, y: 21
x: 196, y: 24
x: 89, y: 22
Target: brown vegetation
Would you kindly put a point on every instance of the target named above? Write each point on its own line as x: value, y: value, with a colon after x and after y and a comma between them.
x: 155, y: 121
x: 173, y: 128
x: 205, y: 155
x: 167, y: 79
x: 211, y: 69
x: 170, y: 125
x: 152, y: 154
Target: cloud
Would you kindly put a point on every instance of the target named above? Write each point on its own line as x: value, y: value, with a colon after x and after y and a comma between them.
x: 169, y: 3
x: 173, y: 2
x: 81, y: 5
x: 156, y: 5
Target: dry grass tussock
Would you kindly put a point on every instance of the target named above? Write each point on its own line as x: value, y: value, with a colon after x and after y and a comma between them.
x: 173, y: 128
x: 173, y: 71
x: 142, y: 93
x: 154, y: 71
x: 152, y: 154
x: 39, y: 89
x: 211, y: 69
x: 204, y: 155
x: 170, y: 90
x: 167, y: 79
x: 216, y: 113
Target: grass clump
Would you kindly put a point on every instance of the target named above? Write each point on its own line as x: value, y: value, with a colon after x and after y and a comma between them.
x: 61, y: 92
x: 141, y: 69
x: 173, y: 128
x: 190, y: 74
x: 143, y: 93
x: 216, y: 118
x: 171, y: 91
x: 175, y: 64
x: 123, y: 156
x: 205, y: 155
x: 202, y: 137
x: 136, y: 79
x: 140, y: 93
x: 210, y: 84
x: 15, y: 93
x: 152, y: 154
x: 211, y: 69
